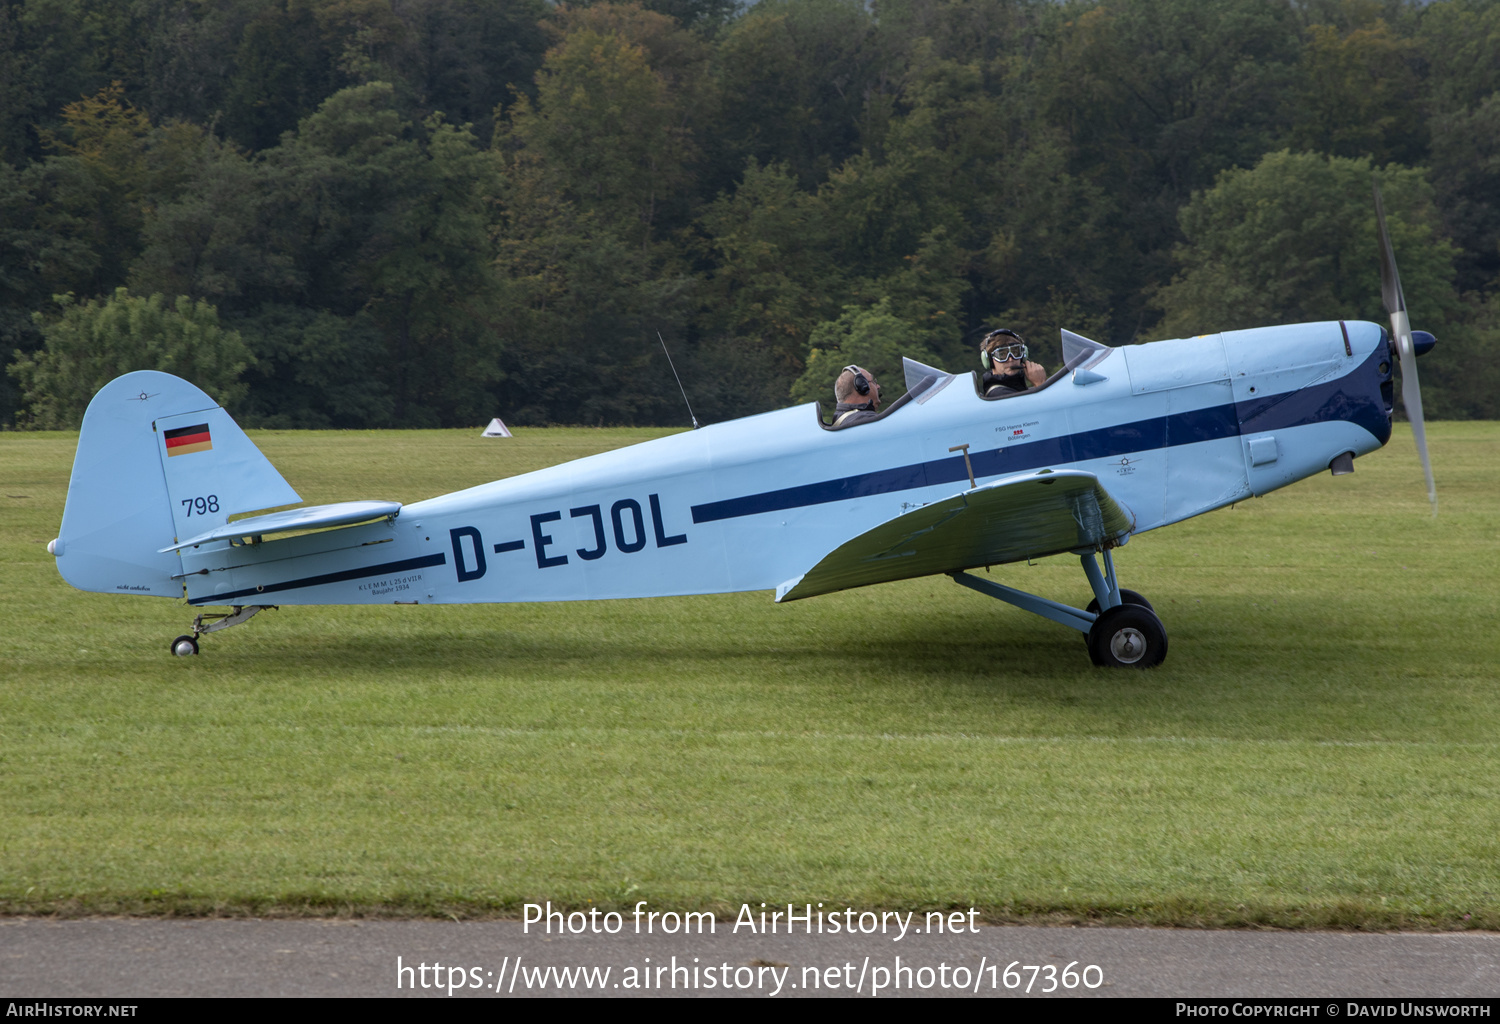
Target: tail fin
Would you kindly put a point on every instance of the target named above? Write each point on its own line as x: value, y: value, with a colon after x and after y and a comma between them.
x: 157, y: 460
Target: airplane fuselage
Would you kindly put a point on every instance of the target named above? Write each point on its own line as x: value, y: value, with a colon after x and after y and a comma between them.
x: 1172, y: 429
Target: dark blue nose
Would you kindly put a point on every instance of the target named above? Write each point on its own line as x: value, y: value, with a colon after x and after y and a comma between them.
x: 1422, y: 342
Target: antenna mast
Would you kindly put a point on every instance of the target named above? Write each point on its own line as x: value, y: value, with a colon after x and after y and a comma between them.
x: 679, y: 379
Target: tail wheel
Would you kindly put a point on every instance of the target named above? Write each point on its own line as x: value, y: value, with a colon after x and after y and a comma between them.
x: 1128, y: 636
x: 1126, y: 597
x: 184, y: 646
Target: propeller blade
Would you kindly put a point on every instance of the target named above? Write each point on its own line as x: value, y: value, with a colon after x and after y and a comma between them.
x: 1395, y: 305
x: 1411, y: 396
x: 1390, y: 279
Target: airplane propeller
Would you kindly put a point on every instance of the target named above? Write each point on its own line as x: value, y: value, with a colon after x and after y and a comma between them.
x: 1395, y: 305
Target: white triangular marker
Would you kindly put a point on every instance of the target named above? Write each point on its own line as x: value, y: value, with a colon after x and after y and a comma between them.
x: 496, y: 429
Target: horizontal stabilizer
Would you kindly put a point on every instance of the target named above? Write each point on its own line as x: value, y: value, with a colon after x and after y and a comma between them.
x: 347, y: 513
x: 1020, y: 517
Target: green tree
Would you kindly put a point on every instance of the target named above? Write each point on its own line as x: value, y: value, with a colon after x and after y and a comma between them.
x: 796, y: 78
x: 1293, y: 240
x: 52, y: 52
x: 1357, y: 94
x: 457, y: 57
x: 580, y: 310
x: 106, y: 138
x: 1460, y: 41
x: 113, y: 168
x: 963, y: 31
x: 390, y: 222
x: 212, y: 240
x: 17, y: 88
x: 1171, y: 91
x: 473, y: 53
x: 705, y: 16
x: 775, y: 277
x: 91, y: 344
x: 607, y: 132
x: 314, y: 370
x: 1156, y: 97
x: 40, y: 251
x: 1465, y: 164
x: 968, y: 210
x: 282, y: 70
x: 597, y: 173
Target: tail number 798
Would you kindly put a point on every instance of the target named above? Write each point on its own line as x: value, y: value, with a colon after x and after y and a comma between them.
x: 201, y: 506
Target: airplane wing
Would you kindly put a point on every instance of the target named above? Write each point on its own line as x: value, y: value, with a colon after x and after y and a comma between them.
x: 1023, y: 516
x: 316, y: 517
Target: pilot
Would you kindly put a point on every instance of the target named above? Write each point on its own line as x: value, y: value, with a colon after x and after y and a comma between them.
x: 1006, y: 368
x: 857, y: 397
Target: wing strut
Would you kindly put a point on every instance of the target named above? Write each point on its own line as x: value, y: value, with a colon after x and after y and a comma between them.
x: 1062, y: 614
x: 1106, y: 594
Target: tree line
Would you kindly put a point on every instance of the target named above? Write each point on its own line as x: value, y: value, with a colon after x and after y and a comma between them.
x: 408, y: 213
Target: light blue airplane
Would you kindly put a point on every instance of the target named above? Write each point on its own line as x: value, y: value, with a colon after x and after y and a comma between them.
x: 1118, y: 442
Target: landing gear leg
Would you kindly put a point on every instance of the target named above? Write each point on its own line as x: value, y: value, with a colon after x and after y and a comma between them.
x: 186, y: 645
x: 1106, y: 589
x: 1125, y: 634
x: 1104, y: 585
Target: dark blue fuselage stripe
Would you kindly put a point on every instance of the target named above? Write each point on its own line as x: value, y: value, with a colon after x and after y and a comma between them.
x: 1355, y: 397
x: 1122, y: 439
x: 426, y: 561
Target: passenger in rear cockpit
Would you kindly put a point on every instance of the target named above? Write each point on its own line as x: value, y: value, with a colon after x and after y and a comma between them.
x: 857, y: 396
x: 1006, y: 368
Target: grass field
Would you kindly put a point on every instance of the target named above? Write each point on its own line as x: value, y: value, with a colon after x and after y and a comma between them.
x: 1319, y: 750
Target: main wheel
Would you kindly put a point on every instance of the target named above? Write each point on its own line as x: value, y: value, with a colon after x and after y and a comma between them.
x: 1128, y: 636
x: 184, y: 646
x: 1126, y: 597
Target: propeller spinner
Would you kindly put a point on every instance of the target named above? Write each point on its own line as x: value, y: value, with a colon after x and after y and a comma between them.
x: 1395, y: 305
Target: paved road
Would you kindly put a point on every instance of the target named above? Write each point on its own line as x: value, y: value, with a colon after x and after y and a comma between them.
x: 143, y: 958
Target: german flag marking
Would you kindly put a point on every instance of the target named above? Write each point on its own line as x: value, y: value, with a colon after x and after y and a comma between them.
x: 183, y: 440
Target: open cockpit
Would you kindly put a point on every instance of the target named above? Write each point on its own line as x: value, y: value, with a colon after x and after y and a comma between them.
x: 1080, y: 354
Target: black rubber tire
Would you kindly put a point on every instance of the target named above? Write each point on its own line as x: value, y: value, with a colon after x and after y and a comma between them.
x: 173, y: 645
x: 1128, y: 636
x: 1126, y: 596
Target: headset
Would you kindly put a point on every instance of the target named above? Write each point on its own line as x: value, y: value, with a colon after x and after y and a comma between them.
x: 861, y: 382
x: 985, y: 356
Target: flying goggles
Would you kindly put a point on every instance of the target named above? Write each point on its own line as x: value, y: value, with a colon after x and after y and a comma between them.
x: 1002, y: 350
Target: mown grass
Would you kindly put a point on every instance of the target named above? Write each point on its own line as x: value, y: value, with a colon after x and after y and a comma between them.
x: 1319, y: 749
